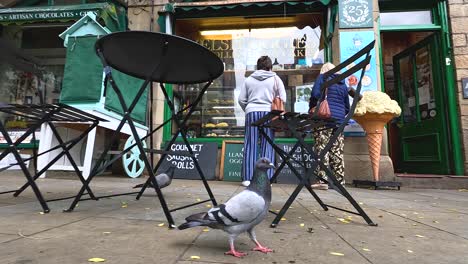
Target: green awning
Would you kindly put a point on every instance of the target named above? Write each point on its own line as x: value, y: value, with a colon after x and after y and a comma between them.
x: 216, y: 5
x: 201, y: 9
x: 106, y: 11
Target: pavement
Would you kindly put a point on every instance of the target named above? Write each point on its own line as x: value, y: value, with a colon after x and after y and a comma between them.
x: 414, y: 226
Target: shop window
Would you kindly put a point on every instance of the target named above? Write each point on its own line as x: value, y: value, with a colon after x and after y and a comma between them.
x: 42, y: 38
x: 406, y: 18
x: 31, y: 67
x: 296, y: 57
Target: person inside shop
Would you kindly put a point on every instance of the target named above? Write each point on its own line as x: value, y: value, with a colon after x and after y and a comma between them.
x: 338, y: 101
x: 255, y: 98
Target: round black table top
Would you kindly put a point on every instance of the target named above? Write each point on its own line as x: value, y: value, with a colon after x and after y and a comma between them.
x: 174, y: 59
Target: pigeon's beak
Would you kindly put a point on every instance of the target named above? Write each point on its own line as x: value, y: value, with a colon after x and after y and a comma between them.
x: 271, y: 165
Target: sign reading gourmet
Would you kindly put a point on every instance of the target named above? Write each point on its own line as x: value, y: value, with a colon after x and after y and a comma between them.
x: 205, y: 153
x: 356, y: 13
x: 286, y: 175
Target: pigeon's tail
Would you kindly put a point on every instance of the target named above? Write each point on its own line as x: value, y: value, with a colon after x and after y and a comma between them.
x: 194, y: 220
x: 189, y: 225
x: 138, y: 186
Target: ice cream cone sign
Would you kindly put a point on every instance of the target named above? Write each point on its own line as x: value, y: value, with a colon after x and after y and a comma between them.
x: 373, y: 111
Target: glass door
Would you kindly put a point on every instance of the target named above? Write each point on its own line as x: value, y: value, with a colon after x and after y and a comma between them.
x: 423, y: 124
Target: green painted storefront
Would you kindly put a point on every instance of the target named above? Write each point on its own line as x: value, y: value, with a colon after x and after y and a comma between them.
x: 420, y: 153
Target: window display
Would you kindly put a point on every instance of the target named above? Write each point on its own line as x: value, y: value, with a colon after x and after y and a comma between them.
x: 297, y: 61
x: 28, y: 70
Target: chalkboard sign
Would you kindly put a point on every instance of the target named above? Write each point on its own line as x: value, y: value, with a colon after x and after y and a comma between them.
x: 286, y: 175
x: 232, y: 153
x: 205, y: 153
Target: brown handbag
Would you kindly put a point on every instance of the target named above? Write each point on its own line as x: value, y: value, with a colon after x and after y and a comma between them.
x: 323, y: 110
x: 277, y: 103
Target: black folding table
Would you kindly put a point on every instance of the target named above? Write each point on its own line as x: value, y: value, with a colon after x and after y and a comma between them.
x: 300, y: 125
x: 37, y: 115
x: 161, y: 58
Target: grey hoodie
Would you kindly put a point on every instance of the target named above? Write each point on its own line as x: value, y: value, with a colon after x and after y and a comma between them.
x: 257, y: 92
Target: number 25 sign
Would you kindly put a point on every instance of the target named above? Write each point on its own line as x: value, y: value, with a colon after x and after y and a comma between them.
x: 355, y: 13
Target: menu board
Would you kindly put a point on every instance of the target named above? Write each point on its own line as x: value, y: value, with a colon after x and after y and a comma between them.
x: 232, y: 154
x: 286, y: 175
x: 205, y: 153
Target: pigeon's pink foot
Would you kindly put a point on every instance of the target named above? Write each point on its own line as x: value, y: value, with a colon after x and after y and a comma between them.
x: 235, y: 253
x: 262, y: 249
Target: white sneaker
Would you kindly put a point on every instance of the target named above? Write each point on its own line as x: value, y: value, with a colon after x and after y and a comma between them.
x: 246, y: 183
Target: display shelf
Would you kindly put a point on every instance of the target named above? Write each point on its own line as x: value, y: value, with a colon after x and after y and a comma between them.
x: 286, y: 71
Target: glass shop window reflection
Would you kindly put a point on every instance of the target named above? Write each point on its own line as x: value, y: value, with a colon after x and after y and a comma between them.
x: 297, y: 60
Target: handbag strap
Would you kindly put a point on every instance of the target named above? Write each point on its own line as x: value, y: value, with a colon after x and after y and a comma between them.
x: 325, y: 94
x: 275, y: 87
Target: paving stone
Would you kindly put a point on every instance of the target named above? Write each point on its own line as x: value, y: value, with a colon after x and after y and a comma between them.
x: 429, y: 223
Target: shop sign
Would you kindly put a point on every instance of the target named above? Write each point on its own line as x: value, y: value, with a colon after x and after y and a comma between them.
x: 286, y: 175
x: 350, y: 44
x: 232, y: 156
x: 205, y: 153
x: 222, y: 48
x: 356, y: 13
x: 285, y: 46
x: 465, y: 87
x: 45, y: 15
x: 15, y: 135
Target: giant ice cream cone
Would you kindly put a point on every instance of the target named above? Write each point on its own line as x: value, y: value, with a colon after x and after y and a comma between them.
x: 374, y: 124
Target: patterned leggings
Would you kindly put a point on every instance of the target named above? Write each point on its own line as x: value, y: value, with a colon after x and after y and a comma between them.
x: 334, y: 158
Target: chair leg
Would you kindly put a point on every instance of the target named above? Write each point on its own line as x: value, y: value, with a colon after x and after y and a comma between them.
x: 25, y: 170
x: 66, y: 151
x: 87, y: 163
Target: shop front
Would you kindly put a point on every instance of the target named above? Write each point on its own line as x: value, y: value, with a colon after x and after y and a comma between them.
x: 33, y: 57
x: 412, y: 65
x: 293, y: 34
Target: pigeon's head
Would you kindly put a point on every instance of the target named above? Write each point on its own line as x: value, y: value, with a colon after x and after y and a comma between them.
x: 264, y: 164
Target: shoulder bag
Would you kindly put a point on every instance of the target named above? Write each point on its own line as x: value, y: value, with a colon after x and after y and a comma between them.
x: 323, y: 110
x: 277, y: 103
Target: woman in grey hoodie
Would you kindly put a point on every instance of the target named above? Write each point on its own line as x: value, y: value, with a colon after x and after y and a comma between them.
x: 256, y: 97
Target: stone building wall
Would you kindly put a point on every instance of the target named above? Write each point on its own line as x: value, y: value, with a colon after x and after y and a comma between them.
x: 458, y: 16
x: 143, y: 15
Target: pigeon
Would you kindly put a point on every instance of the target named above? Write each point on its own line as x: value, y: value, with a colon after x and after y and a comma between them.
x: 242, y: 212
x: 164, y: 179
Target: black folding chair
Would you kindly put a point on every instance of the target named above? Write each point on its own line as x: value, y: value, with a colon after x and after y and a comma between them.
x: 37, y: 115
x: 300, y: 125
x: 155, y: 57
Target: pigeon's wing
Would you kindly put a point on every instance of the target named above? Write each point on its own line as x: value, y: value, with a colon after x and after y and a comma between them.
x: 243, y: 208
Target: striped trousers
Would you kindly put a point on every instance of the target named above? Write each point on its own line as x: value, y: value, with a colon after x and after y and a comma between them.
x: 252, y: 140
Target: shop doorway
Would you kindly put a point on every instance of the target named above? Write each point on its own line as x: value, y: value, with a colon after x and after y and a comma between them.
x: 418, y: 140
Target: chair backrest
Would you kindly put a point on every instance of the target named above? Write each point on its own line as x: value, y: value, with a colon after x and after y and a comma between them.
x: 366, y: 51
